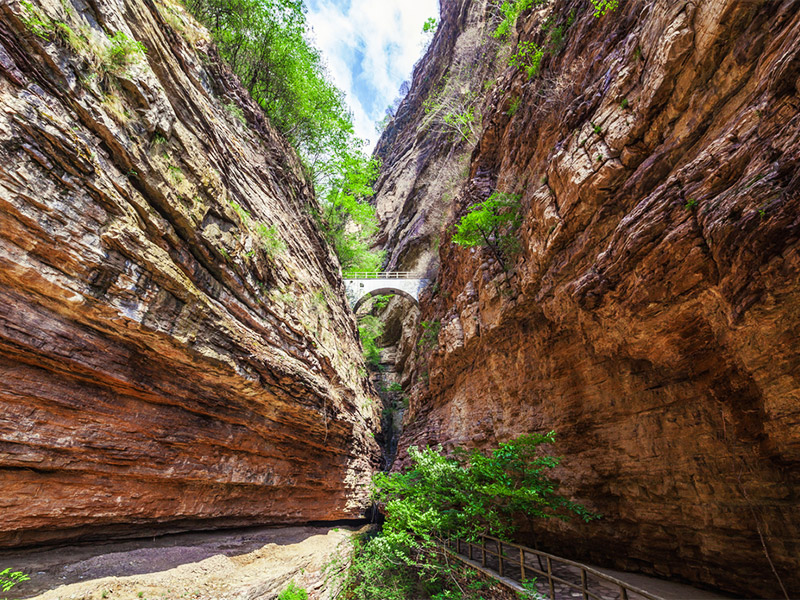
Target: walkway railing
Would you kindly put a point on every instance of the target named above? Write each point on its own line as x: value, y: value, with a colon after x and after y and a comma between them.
x: 520, y: 563
x: 381, y: 275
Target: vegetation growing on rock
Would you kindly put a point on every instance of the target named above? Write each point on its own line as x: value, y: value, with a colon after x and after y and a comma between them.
x: 492, y: 224
x: 266, y: 44
x: 466, y: 494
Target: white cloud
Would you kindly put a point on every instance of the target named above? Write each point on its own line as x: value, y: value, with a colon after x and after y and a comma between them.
x: 370, y: 47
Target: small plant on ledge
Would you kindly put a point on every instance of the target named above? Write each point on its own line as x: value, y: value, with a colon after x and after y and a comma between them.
x: 9, y: 578
x: 293, y: 592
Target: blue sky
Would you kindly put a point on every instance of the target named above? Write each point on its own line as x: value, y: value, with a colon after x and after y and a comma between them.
x: 370, y: 47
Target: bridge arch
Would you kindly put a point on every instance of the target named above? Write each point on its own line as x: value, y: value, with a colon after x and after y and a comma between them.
x: 396, y: 291
x: 360, y: 286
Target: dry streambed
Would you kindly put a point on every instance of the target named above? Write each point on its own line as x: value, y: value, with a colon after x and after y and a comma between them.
x: 228, y: 565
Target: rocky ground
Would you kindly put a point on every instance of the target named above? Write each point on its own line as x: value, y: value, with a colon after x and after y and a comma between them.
x: 242, y: 564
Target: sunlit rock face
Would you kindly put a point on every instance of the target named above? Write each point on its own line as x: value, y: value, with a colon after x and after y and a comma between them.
x: 175, y: 347
x: 652, y: 316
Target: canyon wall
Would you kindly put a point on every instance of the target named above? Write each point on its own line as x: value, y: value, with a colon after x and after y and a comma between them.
x: 652, y: 315
x: 175, y: 347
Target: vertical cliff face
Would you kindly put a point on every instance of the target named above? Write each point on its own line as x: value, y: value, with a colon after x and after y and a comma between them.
x: 175, y: 348
x: 651, y: 318
x: 426, y: 159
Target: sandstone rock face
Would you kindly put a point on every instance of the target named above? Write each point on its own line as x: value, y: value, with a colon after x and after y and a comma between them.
x: 653, y: 314
x: 175, y: 349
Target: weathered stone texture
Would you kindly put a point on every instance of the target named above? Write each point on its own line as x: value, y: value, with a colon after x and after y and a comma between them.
x: 160, y: 368
x: 653, y: 316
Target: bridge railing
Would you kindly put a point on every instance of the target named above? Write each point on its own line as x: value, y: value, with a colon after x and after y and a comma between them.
x: 381, y: 275
x: 515, y: 562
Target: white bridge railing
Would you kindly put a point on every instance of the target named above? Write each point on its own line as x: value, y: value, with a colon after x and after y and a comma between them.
x: 381, y: 275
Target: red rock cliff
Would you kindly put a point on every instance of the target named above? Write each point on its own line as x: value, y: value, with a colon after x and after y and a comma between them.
x: 652, y: 317
x: 175, y: 350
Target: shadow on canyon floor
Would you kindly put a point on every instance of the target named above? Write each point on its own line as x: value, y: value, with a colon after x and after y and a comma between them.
x: 195, y: 564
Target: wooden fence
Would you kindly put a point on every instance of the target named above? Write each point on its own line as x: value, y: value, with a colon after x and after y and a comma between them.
x: 520, y: 563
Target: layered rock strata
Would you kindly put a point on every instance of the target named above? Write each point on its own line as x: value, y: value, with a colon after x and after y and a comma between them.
x: 651, y: 318
x: 175, y: 348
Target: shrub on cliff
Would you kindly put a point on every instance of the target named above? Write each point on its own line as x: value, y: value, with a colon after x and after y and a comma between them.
x: 266, y: 44
x: 492, y: 224
x: 511, y: 11
x: 348, y: 220
x: 370, y: 328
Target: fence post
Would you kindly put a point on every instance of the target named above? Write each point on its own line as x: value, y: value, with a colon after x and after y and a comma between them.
x: 483, y: 551
x: 550, y: 578
x: 470, y: 549
x: 500, y: 556
x: 583, y: 584
x: 623, y: 593
x: 522, y: 563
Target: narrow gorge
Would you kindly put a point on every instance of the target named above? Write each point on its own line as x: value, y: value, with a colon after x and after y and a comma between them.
x: 178, y: 353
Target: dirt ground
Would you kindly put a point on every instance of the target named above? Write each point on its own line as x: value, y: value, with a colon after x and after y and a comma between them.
x: 244, y: 564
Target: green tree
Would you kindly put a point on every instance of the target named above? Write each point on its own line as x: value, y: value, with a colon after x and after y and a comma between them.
x: 348, y: 220
x: 472, y: 493
x: 266, y: 44
x: 466, y: 494
x: 492, y: 224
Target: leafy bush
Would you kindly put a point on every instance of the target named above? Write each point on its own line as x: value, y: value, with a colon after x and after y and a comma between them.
x: 348, y: 221
x: 492, y: 224
x: 528, y: 58
x: 472, y: 493
x: 511, y: 10
x: 461, y: 122
x: 450, y: 109
x: 122, y: 52
x: 382, y: 301
x: 468, y: 494
x: 370, y: 328
x: 430, y: 334
x: 293, y: 592
x: 430, y: 25
x: 601, y: 7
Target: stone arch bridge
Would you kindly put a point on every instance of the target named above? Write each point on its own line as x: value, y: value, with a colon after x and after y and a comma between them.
x: 361, y: 286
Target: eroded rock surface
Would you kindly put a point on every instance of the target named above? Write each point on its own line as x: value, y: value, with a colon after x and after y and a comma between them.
x: 653, y: 314
x: 175, y: 348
